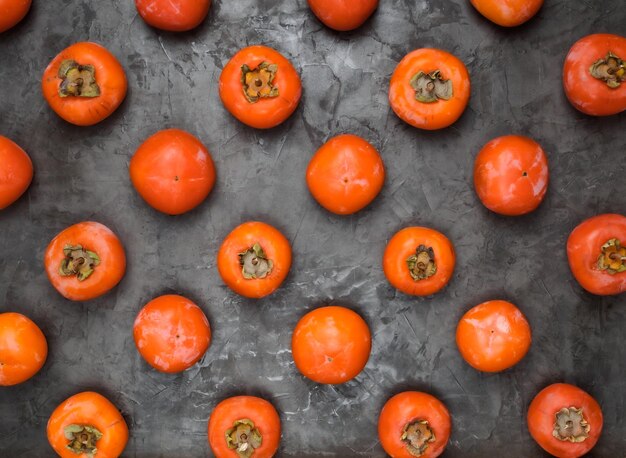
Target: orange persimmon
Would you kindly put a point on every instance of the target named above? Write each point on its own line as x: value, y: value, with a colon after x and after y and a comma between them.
x: 84, y: 84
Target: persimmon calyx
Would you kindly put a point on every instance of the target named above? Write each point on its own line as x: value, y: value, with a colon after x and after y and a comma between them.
x: 78, y: 80
x: 570, y: 425
x: 258, y: 82
x: 244, y: 438
x: 417, y: 435
x: 422, y: 264
x: 78, y: 261
x: 254, y: 263
x: 430, y: 87
x: 610, y: 69
x: 612, y: 259
x: 82, y: 439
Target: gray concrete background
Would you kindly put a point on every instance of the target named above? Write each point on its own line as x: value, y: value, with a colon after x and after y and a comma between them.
x: 82, y: 174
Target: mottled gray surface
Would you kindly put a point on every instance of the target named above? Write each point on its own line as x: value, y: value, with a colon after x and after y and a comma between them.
x: 81, y: 174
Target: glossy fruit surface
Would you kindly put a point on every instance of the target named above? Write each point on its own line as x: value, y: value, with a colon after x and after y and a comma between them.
x: 84, y: 84
x: 331, y: 344
x: 511, y: 175
x: 12, y: 12
x: 565, y: 420
x: 419, y: 261
x: 173, y: 171
x: 254, y: 259
x: 171, y: 333
x: 246, y: 421
x: 345, y: 174
x: 81, y: 414
x: 16, y: 172
x: 260, y: 87
x: 429, y: 89
x: 343, y: 15
x: 85, y: 261
x: 594, y: 74
x: 23, y: 348
x: 414, y: 424
x: 508, y: 13
x: 173, y: 15
x: 493, y: 336
x: 596, y: 251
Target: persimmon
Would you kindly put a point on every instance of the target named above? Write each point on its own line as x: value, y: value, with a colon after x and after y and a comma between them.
x: 171, y: 333
x: 596, y: 251
x: 254, y: 259
x: 331, y: 345
x: 173, y: 15
x: 508, y: 13
x: 16, y: 172
x: 429, y: 89
x: 594, y: 74
x: 345, y: 174
x: 342, y: 15
x: 565, y: 420
x: 87, y: 425
x: 511, y: 175
x: 85, y: 261
x: 173, y: 171
x: 260, y: 87
x: 12, y: 12
x: 23, y: 348
x: 419, y: 261
x: 84, y: 84
x: 414, y: 424
x: 244, y: 427
x: 493, y: 336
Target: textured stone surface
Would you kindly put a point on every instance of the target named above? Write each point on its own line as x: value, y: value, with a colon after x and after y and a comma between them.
x: 81, y: 174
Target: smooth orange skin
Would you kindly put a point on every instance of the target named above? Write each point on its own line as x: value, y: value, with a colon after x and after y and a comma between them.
x: 93, y: 409
x: 173, y: 171
x: 588, y: 94
x: 493, y: 336
x: 94, y: 237
x: 508, y: 13
x: 243, y: 237
x: 331, y: 345
x: 110, y: 77
x: 173, y: 15
x: 171, y: 333
x: 23, y: 349
x: 406, y: 407
x: 429, y: 116
x: 345, y: 174
x: 261, y: 412
x: 343, y: 15
x: 267, y: 112
x: 16, y: 172
x: 584, y: 245
x: 12, y: 12
x: 402, y: 245
x: 499, y: 175
x: 541, y: 417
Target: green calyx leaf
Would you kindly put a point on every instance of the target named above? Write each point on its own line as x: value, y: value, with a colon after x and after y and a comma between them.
x: 570, y: 425
x: 258, y: 83
x: 78, y: 262
x: 244, y: 438
x: 77, y: 80
x: 431, y: 87
x: 610, y: 69
x: 612, y: 258
x: 254, y: 263
x: 422, y: 264
x: 82, y: 439
x: 417, y: 435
